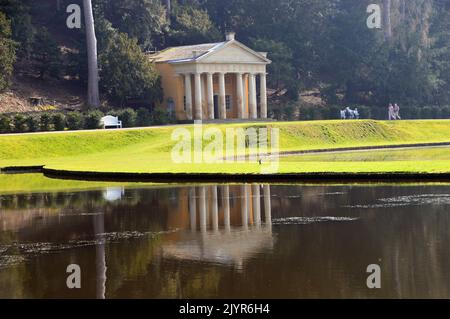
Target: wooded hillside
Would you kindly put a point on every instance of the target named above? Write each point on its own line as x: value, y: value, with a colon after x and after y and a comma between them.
x: 324, y: 47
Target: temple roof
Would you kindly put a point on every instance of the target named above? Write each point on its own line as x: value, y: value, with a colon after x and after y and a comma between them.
x: 194, y: 53
x: 177, y: 54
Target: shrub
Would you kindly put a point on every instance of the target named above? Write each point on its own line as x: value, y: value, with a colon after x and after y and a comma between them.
x: 306, y: 114
x: 5, y: 124
x: 289, y: 112
x: 92, y: 120
x: 333, y: 112
x: 407, y: 113
x: 160, y: 117
x: 365, y: 112
x: 59, y: 122
x: 275, y: 113
x: 75, y: 121
x: 379, y: 113
x: 144, y: 117
x: 32, y: 123
x: 445, y: 112
x: 436, y: 112
x: 45, y: 122
x: 426, y: 112
x: 128, y: 117
x: 19, y: 123
x: 310, y: 113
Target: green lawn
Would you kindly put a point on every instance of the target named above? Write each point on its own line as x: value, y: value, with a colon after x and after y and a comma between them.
x: 388, y: 155
x: 149, y: 150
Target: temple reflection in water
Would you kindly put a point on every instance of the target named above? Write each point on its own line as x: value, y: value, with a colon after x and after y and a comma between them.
x: 227, y: 223
x: 209, y: 241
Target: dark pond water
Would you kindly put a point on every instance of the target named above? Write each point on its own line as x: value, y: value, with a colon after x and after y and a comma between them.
x: 228, y: 241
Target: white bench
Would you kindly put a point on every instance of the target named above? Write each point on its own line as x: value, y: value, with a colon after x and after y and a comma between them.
x: 111, y: 121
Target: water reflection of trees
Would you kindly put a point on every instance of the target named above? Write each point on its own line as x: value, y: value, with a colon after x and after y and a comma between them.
x: 225, y: 246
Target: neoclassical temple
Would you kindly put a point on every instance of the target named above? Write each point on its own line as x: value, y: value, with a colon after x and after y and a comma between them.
x: 214, y: 81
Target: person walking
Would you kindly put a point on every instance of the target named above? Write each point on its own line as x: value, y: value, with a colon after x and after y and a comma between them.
x: 391, y: 112
x: 397, y: 112
x: 350, y: 113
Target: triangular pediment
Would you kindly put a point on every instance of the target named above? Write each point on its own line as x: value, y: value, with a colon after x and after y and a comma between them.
x: 233, y: 52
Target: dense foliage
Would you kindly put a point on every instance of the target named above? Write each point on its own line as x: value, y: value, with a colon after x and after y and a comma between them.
x: 319, y: 45
x: 7, y: 51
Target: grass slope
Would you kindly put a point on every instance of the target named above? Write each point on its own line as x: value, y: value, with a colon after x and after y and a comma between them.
x: 149, y: 150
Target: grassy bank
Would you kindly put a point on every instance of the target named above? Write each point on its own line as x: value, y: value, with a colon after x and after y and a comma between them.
x: 149, y: 150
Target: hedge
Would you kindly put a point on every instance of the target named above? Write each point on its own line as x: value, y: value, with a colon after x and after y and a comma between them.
x: 366, y: 112
x: 76, y: 120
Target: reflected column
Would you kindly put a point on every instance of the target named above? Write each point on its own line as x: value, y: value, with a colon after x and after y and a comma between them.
x: 192, y: 209
x: 100, y: 256
x: 226, y: 207
x: 248, y: 194
x: 267, y: 205
x: 215, y: 209
x: 202, y: 198
x: 256, y: 205
x: 244, y: 206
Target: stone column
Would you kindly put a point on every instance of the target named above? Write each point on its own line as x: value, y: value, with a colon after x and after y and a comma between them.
x: 263, y: 97
x: 210, y: 89
x: 252, y: 97
x: 198, y: 97
x: 188, y: 95
x: 246, y: 113
x: 240, y: 95
x: 222, y: 97
x: 204, y: 97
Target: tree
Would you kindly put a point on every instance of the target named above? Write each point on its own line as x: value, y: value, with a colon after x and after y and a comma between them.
x: 145, y: 20
x: 93, y: 95
x: 46, y: 54
x: 168, y: 5
x: 127, y: 72
x: 192, y: 25
x: 282, y: 71
x: 7, y: 51
x: 387, y: 26
x: 22, y: 30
